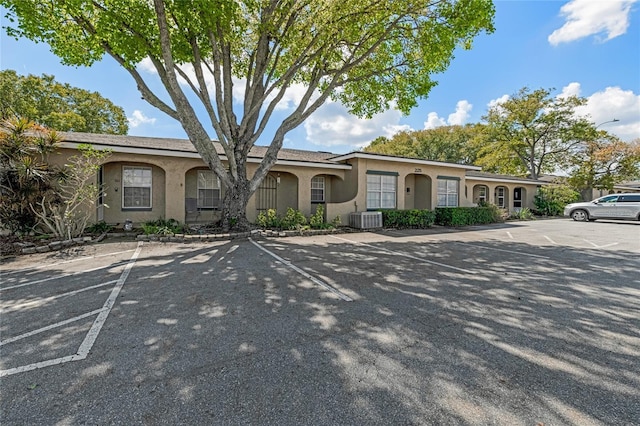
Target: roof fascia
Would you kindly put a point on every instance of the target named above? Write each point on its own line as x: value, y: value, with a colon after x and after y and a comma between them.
x: 506, y: 180
x: 403, y: 160
x: 186, y: 154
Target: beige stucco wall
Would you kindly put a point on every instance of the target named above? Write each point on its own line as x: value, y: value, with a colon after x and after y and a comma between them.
x: 174, y: 178
x: 528, y: 193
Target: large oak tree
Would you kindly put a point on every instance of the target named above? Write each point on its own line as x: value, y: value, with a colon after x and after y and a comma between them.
x: 368, y: 54
x: 58, y: 106
x: 533, y: 133
x: 452, y: 144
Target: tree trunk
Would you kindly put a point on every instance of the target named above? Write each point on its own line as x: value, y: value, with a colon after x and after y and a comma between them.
x: 234, y: 206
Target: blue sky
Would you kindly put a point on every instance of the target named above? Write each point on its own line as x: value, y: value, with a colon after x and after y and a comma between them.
x: 589, y: 48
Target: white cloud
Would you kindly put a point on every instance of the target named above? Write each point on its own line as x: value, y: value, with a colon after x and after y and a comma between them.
x: 614, y: 103
x: 497, y: 102
x: 606, y: 19
x: 332, y: 125
x: 434, y: 121
x: 462, y: 113
x: 138, y: 118
x: 571, y: 89
x: 459, y: 117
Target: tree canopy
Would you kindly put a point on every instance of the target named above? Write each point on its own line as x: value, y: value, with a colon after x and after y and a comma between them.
x: 452, y: 144
x: 603, y: 161
x: 532, y: 133
x: 58, y: 106
x: 369, y: 55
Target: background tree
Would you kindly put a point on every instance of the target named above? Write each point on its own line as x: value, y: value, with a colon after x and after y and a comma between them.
x: 365, y: 53
x: 603, y: 161
x: 58, y: 106
x: 532, y: 133
x: 25, y: 176
x: 453, y: 144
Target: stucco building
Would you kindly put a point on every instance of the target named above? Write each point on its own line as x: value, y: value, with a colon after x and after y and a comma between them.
x: 150, y: 178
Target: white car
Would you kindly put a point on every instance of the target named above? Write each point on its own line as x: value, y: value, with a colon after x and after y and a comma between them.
x: 614, y: 206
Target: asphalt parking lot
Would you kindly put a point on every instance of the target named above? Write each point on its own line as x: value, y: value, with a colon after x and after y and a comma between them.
x: 520, y: 323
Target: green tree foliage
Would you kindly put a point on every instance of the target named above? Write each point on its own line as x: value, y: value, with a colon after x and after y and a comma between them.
x: 532, y: 133
x: 367, y: 54
x: 58, y: 106
x: 452, y: 144
x: 25, y: 175
x: 603, y: 161
x: 551, y: 199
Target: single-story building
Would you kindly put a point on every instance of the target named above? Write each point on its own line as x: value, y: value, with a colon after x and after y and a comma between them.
x: 149, y: 178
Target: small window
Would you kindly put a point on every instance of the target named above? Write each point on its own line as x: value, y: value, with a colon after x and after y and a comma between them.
x: 317, y: 189
x: 136, y: 187
x: 500, y: 198
x: 208, y: 190
x: 482, y: 194
x: 381, y: 191
x: 447, y: 192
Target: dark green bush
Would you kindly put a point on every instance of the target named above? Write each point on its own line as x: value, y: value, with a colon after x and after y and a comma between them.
x: 99, y: 227
x: 408, y: 218
x: 162, y: 227
x: 463, y: 216
x: 550, y: 200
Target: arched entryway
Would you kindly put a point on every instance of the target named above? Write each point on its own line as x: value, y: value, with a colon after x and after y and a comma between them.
x: 278, y: 191
x: 417, y: 192
x: 480, y: 194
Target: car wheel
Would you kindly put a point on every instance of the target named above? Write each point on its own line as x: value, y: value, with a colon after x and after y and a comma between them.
x: 580, y: 215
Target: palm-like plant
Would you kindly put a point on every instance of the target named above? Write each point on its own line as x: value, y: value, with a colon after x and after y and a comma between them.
x: 25, y: 175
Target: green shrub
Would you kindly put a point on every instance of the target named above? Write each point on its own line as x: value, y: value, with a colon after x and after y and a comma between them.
x: 99, y: 227
x: 293, y: 219
x: 464, y: 216
x: 162, y: 227
x: 522, y: 214
x: 268, y: 219
x: 316, y: 221
x: 551, y: 199
x: 408, y: 218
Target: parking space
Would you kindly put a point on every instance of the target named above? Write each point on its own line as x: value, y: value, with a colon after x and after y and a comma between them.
x: 52, y: 309
x: 519, y: 323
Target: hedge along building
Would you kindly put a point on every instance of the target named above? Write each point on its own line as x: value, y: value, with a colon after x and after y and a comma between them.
x: 150, y: 178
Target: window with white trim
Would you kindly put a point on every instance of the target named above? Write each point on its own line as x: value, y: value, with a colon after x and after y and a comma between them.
x: 136, y: 187
x: 448, y: 192
x: 317, y: 189
x: 500, y: 196
x: 208, y: 190
x: 381, y: 191
x: 482, y: 194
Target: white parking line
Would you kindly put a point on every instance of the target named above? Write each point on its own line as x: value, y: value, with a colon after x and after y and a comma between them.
x: 50, y: 298
x: 509, y: 234
x: 50, y: 327
x: 550, y: 240
x: 322, y: 284
x: 68, y: 274
x: 92, y: 335
x: 599, y: 247
x: 93, y: 332
x: 48, y: 265
x: 444, y: 265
